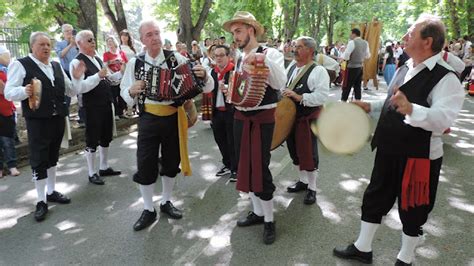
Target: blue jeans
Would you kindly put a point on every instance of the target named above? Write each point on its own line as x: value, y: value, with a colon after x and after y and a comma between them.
x: 7, y: 147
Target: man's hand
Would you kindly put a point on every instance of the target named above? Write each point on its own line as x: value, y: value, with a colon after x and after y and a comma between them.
x: 200, y: 72
x: 137, y: 88
x: 292, y: 95
x: 29, y: 90
x: 363, y: 105
x: 79, y: 70
x: 103, y: 73
x: 401, y: 103
x: 224, y: 88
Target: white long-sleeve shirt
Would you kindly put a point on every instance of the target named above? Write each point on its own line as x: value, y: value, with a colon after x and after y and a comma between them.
x: 318, y: 84
x: 445, y: 102
x: 84, y: 84
x: 14, y: 89
x: 129, y: 77
x: 274, y: 60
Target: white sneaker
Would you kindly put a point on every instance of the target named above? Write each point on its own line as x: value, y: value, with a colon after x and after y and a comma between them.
x: 14, y: 171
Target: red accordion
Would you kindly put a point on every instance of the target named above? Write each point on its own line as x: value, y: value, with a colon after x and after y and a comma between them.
x: 247, y: 88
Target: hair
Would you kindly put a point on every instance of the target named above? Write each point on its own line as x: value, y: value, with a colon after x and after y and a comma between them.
x: 432, y: 26
x: 64, y: 27
x: 356, y: 31
x: 147, y: 22
x: 466, y: 38
x: 308, y: 42
x: 222, y: 37
x: 113, y: 39
x: 81, y: 36
x: 36, y: 34
x: 129, y: 41
x: 389, y: 50
x: 227, y: 49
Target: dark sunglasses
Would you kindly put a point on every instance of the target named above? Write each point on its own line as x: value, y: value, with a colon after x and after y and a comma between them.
x: 91, y: 40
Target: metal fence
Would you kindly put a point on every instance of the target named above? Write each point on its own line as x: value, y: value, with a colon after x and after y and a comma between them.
x: 10, y: 37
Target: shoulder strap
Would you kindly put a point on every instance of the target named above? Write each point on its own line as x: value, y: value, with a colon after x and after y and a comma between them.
x: 300, y: 75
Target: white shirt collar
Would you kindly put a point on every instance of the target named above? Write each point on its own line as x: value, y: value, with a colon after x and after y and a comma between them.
x: 429, y: 63
x: 158, y: 59
x: 39, y: 62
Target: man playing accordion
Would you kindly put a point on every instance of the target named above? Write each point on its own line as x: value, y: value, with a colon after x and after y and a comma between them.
x: 162, y: 118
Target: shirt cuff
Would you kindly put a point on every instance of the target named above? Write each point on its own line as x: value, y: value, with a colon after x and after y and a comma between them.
x: 417, y: 115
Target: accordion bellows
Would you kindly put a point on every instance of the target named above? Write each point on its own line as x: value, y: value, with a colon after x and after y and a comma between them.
x: 247, y: 88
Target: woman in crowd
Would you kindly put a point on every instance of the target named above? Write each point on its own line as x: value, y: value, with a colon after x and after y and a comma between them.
x: 388, y: 66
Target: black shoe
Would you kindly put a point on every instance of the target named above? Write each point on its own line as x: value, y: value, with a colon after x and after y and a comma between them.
x: 297, y: 187
x: 58, y: 197
x: 169, y: 209
x: 250, y: 219
x: 145, y: 220
x: 233, y: 177
x: 96, y: 179
x: 224, y: 171
x: 310, y: 197
x: 401, y: 263
x: 108, y: 172
x: 352, y: 253
x: 269, y: 233
x: 41, y: 211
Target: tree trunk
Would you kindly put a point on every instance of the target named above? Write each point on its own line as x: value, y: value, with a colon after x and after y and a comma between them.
x: 452, y: 9
x: 318, y: 20
x: 470, y: 18
x: 187, y: 32
x: 117, y: 19
x: 292, y: 23
x: 87, y: 15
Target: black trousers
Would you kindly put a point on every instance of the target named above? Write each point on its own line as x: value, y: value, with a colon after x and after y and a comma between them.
x: 99, y: 126
x: 291, y: 143
x: 44, y: 141
x: 354, y: 79
x: 153, y: 132
x: 465, y: 73
x: 266, y: 142
x: 385, y: 187
x: 119, y: 103
x: 223, y: 129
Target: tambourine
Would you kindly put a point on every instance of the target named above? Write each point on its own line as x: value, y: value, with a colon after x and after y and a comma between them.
x: 342, y: 128
x: 285, y: 115
x: 34, y: 100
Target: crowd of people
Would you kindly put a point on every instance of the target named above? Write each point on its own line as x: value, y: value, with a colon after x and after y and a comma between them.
x: 424, y: 98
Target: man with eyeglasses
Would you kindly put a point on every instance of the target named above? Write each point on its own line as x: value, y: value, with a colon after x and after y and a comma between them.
x: 94, y: 84
x: 223, y: 112
x: 308, y: 87
x: 45, y: 125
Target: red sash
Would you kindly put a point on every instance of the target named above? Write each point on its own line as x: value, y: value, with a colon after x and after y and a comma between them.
x: 416, y: 183
x: 304, y: 147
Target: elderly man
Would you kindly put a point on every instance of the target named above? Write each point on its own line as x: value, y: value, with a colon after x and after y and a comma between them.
x: 357, y: 51
x: 67, y: 49
x: 94, y: 84
x: 46, y: 124
x: 253, y: 126
x: 223, y: 112
x: 423, y: 100
x: 162, y: 125
x: 308, y: 87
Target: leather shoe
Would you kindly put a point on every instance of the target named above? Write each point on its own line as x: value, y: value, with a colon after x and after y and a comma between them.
x: 401, y: 263
x: 96, y: 179
x: 250, y: 219
x: 169, y: 209
x: 41, y: 211
x: 108, y: 172
x: 310, y: 197
x: 352, y: 253
x: 145, y: 220
x: 269, y: 233
x: 58, y: 197
x: 297, y: 187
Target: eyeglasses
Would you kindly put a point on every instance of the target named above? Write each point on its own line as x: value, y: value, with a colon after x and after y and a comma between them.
x: 91, y: 40
x: 220, y: 55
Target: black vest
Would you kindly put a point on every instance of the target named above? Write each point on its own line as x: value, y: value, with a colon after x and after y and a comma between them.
x: 101, y: 95
x: 229, y: 107
x: 52, y: 97
x: 392, y: 136
x: 300, y: 88
x: 171, y: 62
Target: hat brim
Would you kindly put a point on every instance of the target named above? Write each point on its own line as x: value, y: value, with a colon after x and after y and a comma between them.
x: 255, y: 24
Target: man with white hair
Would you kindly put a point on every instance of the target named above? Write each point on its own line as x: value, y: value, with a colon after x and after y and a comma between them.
x: 423, y: 100
x: 162, y: 125
x: 95, y: 86
x: 45, y: 125
x: 67, y: 49
x: 308, y: 87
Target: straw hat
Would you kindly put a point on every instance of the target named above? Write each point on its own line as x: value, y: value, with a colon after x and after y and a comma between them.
x: 246, y: 18
x: 3, y: 50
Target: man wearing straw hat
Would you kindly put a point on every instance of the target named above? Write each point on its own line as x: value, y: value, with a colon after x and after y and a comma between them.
x: 254, y: 125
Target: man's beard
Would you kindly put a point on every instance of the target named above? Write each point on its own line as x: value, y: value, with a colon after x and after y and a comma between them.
x: 247, y: 40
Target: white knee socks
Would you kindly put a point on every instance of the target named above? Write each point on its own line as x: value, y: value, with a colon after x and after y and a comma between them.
x: 366, y: 235
x: 40, y: 186
x: 51, y: 180
x: 103, y: 157
x: 168, y: 184
x: 147, y: 192
x: 267, y: 206
x: 90, y: 157
x: 302, y: 175
x: 312, y: 176
x: 407, y: 252
x: 257, y: 205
